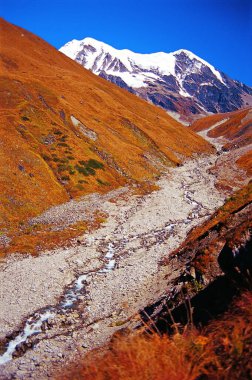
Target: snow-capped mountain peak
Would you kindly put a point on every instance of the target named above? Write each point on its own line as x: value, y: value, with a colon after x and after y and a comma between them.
x: 163, y: 62
x: 98, y: 51
x: 179, y: 81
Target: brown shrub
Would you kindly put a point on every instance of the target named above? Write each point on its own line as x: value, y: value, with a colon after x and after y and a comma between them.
x: 223, y: 350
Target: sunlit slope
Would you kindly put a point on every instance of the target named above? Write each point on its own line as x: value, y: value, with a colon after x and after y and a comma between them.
x: 235, y: 128
x: 66, y: 132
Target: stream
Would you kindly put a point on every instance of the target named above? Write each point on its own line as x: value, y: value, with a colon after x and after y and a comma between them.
x: 74, y: 293
x: 34, y: 324
x: 112, y: 266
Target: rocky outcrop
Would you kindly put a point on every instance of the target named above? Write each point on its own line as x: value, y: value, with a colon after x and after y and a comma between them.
x: 217, y: 264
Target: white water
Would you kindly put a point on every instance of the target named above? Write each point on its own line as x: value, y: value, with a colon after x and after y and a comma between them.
x: 34, y: 323
x: 31, y: 327
x: 109, y: 258
x: 72, y: 295
x: 110, y: 265
x: 170, y: 227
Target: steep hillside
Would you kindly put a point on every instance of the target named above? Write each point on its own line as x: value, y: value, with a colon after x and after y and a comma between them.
x: 180, y: 82
x: 231, y: 133
x: 66, y: 132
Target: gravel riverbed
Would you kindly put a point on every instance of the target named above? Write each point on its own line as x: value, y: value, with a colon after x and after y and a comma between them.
x: 120, y: 262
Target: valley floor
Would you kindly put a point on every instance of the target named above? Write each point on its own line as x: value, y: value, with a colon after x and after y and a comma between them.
x: 76, y: 298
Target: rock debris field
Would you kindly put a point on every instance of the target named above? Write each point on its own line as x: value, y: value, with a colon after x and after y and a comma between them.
x: 65, y: 302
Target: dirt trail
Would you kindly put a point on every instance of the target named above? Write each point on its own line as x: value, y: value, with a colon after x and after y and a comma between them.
x: 91, y: 289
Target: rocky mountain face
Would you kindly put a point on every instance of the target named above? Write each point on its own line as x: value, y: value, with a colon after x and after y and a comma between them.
x: 180, y: 82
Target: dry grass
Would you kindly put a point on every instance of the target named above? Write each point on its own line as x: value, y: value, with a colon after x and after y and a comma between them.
x: 245, y: 162
x: 146, y: 188
x: 45, y: 159
x: 222, y: 350
x: 40, y: 158
x: 237, y: 130
x: 32, y: 239
x: 206, y: 257
x: 238, y: 200
x: 228, y: 128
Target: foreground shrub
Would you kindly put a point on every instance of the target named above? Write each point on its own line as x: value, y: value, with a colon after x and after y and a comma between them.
x: 223, y: 350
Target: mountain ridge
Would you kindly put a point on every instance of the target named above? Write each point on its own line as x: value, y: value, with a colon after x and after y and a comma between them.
x: 71, y: 47
x: 180, y: 81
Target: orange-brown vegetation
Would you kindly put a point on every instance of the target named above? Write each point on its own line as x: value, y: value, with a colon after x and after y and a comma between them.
x: 234, y: 121
x: 237, y: 130
x: 238, y: 200
x: 222, y: 350
x: 245, y: 162
x: 35, y: 238
x: 206, y: 240
x: 146, y: 188
x: 46, y: 157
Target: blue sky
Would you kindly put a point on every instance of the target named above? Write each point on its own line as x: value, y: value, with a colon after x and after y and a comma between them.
x: 219, y: 31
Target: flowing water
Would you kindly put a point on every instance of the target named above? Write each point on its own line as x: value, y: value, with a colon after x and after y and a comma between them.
x: 148, y: 223
x: 34, y: 324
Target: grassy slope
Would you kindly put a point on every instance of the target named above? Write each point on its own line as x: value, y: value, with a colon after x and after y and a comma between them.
x: 41, y: 149
x: 237, y: 201
x: 237, y: 130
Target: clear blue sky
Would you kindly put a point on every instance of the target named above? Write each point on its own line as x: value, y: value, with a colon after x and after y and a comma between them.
x: 219, y: 31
